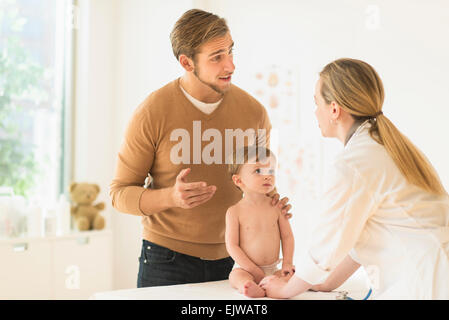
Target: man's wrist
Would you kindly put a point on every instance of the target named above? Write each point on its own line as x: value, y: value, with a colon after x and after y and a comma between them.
x: 169, y: 197
x: 156, y: 200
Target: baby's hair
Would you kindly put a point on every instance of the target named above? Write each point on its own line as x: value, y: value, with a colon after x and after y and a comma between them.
x: 246, y: 154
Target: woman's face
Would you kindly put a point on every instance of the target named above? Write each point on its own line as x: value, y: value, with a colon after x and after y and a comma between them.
x: 323, y: 113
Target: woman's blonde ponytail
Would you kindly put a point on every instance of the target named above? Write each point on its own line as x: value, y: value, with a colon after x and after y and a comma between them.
x: 358, y: 89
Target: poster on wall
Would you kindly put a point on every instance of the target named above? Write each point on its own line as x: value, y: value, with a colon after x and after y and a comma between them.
x: 298, y: 173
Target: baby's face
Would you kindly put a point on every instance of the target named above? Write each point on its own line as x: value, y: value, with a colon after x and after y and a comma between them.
x: 259, y: 177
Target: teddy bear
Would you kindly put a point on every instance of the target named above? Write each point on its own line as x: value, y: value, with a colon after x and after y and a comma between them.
x: 86, y: 215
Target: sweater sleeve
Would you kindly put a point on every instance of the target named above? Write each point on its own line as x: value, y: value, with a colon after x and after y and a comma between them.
x: 263, y: 136
x: 134, y: 162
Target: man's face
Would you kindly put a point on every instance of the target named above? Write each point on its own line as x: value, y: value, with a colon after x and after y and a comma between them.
x: 213, y: 63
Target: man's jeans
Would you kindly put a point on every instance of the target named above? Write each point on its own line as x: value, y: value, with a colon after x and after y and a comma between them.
x: 159, y: 266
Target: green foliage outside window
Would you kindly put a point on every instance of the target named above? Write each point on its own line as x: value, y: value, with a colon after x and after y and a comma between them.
x: 19, y: 94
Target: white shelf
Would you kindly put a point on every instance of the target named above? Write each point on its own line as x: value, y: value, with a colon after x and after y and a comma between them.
x: 71, y: 235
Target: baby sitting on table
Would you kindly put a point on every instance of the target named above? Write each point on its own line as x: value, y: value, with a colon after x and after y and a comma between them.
x: 254, y: 228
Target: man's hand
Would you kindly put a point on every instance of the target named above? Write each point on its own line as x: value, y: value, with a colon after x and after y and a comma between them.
x: 189, y: 195
x: 281, y: 204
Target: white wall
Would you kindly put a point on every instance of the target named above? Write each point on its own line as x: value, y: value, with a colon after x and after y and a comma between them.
x: 408, y: 48
x: 95, y: 99
x: 125, y: 54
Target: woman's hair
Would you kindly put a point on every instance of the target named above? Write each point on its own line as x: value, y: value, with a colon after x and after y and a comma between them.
x: 194, y: 28
x: 358, y: 89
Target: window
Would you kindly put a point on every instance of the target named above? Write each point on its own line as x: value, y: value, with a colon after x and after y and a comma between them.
x: 35, y: 86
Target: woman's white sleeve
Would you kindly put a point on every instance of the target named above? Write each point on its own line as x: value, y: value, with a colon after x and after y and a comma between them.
x: 346, y: 205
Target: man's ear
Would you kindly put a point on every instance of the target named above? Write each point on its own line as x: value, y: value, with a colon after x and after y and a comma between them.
x: 186, y: 62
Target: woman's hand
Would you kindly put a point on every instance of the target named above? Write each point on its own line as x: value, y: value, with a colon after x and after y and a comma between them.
x: 316, y: 288
x: 274, y: 286
x: 284, y: 287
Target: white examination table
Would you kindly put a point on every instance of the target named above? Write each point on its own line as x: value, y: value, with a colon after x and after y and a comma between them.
x: 221, y: 290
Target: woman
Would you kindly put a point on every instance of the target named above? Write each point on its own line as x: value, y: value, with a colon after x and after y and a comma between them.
x: 385, y: 207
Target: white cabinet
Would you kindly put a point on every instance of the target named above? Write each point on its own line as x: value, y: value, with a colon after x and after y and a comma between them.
x: 68, y: 267
x: 25, y: 269
x: 82, y: 266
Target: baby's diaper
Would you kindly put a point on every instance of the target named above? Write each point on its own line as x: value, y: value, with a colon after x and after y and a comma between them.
x: 268, y: 269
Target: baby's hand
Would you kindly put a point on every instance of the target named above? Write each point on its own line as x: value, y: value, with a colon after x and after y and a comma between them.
x: 288, y: 269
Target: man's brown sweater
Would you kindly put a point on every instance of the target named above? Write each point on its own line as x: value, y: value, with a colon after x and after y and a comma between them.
x: 148, y: 148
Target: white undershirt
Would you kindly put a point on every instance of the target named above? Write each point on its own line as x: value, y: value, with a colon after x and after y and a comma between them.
x: 207, y: 108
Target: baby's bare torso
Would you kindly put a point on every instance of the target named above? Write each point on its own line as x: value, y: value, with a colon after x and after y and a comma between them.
x: 259, y: 233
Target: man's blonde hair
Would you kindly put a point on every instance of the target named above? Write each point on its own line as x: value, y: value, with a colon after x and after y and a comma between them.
x: 194, y: 28
x: 358, y: 89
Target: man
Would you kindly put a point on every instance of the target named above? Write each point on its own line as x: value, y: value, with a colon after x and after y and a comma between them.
x: 183, y: 213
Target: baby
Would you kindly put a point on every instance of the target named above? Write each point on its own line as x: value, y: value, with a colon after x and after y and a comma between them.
x: 255, y: 228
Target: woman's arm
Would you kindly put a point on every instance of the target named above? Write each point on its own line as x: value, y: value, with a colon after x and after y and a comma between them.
x: 276, y: 288
x: 344, y: 270
x: 349, y: 200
